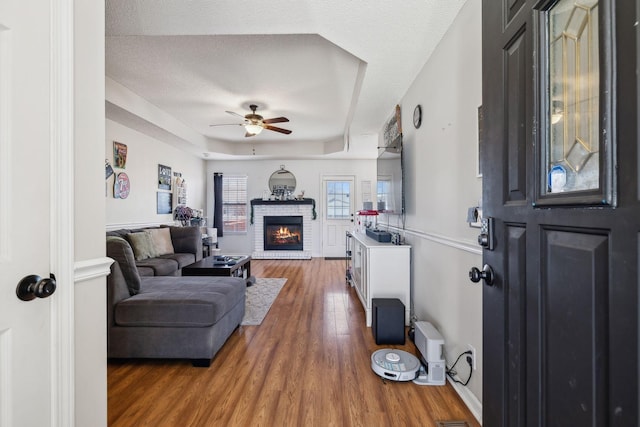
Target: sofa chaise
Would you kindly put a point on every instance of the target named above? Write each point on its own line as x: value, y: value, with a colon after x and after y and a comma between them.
x: 168, y: 317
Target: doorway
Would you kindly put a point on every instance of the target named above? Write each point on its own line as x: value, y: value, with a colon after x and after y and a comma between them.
x: 337, y: 213
x: 560, y: 182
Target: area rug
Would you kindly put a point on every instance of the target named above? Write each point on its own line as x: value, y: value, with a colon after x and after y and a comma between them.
x: 259, y: 299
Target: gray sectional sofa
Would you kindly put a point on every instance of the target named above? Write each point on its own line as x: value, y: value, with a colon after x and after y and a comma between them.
x: 162, y: 251
x: 168, y: 317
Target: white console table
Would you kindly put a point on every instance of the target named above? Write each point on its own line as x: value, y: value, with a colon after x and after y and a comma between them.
x: 379, y: 270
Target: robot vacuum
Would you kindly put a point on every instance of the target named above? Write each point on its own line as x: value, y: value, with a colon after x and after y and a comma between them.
x: 396, y: 365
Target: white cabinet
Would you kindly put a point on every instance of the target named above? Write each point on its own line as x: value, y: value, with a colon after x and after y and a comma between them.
x: 380, y: 270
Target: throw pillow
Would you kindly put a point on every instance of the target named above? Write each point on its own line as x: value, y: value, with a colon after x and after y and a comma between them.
x: 142, y: 245
x: 161, y: 238
x: 120, y: 250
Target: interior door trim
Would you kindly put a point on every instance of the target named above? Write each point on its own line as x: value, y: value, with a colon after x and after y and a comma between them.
x: 5, y: 164
x: 62, y: 208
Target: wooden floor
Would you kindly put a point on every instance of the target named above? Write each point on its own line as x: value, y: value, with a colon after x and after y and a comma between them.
x: 307, y: 364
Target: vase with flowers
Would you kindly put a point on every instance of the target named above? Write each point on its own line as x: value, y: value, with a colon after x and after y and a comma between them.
x: 183, y: 214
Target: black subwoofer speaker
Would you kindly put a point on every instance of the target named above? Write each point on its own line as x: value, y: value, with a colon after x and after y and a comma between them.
x: 387, y: 320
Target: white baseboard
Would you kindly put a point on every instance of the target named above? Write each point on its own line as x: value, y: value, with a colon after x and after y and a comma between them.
x: 469, y: 399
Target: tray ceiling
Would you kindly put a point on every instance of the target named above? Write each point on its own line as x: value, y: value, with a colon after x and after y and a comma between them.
x: 335, y: 69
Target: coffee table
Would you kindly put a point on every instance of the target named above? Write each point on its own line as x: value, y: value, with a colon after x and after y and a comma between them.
x: 221, y: 265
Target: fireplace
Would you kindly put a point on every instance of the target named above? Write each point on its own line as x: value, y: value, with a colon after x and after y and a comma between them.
x: 283, y: 233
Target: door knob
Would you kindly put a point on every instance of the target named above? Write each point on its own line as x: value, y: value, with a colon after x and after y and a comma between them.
x: 486, y: 274
x: 32, y: 286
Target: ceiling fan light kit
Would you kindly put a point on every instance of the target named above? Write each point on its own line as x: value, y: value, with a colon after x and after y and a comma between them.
x: 253, y: 128
x: 254, y: 123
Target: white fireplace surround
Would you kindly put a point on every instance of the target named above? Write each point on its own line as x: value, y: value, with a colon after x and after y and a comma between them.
x: 284, y: 209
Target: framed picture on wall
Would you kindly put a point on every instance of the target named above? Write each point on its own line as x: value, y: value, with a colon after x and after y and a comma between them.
x: 164, y: 177
x: 164, y: 202
x: 119, y: 155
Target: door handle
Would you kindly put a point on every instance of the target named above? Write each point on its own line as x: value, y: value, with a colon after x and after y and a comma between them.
x: 486, y: 274
x: 33, y: 286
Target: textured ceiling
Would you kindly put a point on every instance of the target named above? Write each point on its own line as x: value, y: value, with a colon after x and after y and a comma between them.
x: 335, y: 68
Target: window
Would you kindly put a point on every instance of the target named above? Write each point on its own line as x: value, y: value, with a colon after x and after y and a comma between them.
x: 338, y: 200
x: 234, y: 203
x: 384, y: 193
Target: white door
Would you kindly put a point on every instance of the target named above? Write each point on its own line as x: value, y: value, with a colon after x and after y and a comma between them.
x: 337, y: 214
x: 30, y: 350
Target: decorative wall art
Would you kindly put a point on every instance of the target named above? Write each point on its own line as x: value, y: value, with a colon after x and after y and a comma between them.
x: 164, y: 202
x: 119, y: 155
x: 108, y: 169
x: 393, y: 130
x: 164, y: 177
x: 121, y: 186
x: 180, y: 189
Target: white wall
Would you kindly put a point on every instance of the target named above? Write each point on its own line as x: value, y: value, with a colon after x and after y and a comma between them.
x: 441, y: 183
x: 90, y: 346
x: 143, y: 156
x: 308, y: 175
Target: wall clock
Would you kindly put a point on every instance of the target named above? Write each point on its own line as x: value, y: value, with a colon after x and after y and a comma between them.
x: 417, y: 116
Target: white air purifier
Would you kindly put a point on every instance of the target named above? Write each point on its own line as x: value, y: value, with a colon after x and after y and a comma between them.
x: 430, y: 344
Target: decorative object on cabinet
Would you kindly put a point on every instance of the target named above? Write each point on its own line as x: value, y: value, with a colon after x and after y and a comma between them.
x: 197, y: 218
x: 183, y: 214
x: 163, y: 202
x: 121, y: 186
x: 119, y: 155
x: 164, y: 177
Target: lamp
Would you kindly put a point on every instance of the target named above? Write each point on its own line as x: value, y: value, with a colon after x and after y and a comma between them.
x: 253, y: 128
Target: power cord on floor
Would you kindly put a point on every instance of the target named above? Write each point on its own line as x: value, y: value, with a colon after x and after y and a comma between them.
x: 452, y: 373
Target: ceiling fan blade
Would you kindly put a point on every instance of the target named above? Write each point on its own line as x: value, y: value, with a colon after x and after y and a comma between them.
x: 277, y: 129
x: 276, y: 120
x: 247, y: 135
x: 228, y: 124
x: 234, y: 114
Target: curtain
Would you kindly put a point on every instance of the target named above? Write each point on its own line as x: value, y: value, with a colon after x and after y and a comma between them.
x: 217, y: 203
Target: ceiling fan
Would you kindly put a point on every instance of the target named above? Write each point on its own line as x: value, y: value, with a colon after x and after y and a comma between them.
x: 254, y: 123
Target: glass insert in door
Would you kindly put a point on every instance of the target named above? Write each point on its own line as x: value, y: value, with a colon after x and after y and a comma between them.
x: 574, y: 91
x: 338, y: 200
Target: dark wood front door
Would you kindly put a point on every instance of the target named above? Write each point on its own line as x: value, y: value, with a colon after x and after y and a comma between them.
x: 560, y: 164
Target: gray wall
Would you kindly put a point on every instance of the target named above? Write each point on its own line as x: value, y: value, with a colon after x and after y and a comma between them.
x: 442, y: 182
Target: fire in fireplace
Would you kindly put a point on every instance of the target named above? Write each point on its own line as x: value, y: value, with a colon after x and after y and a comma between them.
x: 283, y: 233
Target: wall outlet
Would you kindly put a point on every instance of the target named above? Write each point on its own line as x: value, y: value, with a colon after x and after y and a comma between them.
x: 473, y: 355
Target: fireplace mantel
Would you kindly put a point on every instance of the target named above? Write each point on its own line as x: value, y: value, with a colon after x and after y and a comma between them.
x: 259, y: 202
x: 283, y: 202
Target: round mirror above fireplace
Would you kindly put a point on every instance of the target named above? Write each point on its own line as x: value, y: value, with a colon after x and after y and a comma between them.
x: 282, y: 183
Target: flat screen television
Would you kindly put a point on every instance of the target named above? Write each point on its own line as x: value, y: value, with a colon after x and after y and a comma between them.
x: 390, y: 179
